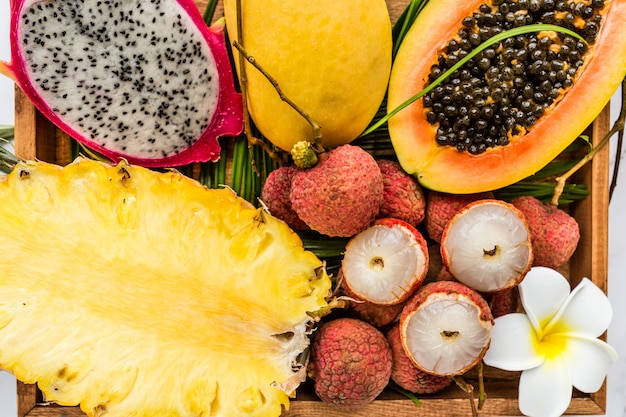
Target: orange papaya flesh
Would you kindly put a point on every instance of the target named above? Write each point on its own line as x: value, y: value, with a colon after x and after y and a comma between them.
x: 444, y: 168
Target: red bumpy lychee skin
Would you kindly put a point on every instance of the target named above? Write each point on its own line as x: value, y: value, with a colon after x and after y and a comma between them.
x: 375, y: 314
x: 503, y: 302
x: 341, y: 195
x: 350, y: 363
x: 441, y: 207
x: 554, y: 233
x: 406, y: 374
x: 403, y: 196
x: 275, y: 196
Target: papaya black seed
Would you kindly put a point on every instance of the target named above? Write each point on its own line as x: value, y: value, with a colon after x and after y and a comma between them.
x: 505, y: 89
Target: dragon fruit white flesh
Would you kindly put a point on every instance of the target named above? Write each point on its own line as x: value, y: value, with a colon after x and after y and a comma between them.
x: 143, y: 80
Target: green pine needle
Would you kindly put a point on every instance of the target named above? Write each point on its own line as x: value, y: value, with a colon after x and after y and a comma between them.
x: 406, y: 393
x: 405, y: 22
x: 209, y: 12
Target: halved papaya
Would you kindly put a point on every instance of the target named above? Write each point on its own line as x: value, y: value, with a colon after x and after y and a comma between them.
x: 449, y: 141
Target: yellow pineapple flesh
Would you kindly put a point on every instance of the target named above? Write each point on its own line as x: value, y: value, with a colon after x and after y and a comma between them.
x: 136, y: 293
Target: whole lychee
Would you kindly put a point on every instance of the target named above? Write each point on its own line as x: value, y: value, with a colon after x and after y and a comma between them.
x: 406, y: 374
x: 341, y: 195
x: 403, y: 196
x: 441, y: 207
x: 350, y: 363
x: 275, y: 196
x: 503, y: 302
x: 554, y: 233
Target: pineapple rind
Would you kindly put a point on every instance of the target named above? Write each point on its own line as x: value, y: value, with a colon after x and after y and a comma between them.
x: 137, y: 293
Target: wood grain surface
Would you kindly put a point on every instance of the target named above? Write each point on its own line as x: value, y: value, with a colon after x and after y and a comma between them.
x: 37, y: 138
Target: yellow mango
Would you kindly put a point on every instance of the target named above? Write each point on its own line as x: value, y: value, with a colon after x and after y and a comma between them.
x: 331, y: 58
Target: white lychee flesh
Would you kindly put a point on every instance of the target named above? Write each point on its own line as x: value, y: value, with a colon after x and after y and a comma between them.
x: 487, y: 246
x: 446, y: 335
x: 386, y: 262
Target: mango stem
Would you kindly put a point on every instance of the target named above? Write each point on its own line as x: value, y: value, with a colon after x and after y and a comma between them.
x: 317, y: 135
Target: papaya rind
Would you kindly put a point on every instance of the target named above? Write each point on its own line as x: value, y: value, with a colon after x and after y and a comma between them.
x: 448, y: 170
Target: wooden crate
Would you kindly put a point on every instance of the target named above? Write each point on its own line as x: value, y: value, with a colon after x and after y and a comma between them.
x: 37, y: 138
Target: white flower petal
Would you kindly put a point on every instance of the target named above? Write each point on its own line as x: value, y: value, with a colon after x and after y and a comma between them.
x: 588, y: 361
x: 513, y: 344
x: 587, y: 311
x: 542, y: 291
x: 545, y: 391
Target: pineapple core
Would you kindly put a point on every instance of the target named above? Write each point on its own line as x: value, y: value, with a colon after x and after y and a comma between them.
x: 135, y: 293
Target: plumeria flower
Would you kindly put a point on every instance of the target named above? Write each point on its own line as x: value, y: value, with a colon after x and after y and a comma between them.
x: 555, y: 344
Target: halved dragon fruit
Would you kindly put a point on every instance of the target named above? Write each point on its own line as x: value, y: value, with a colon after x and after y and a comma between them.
x: 143, y: 80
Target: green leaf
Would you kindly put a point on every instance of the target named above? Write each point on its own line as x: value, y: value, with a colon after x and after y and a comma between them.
x: 7, y: 133
x: 543, y: 191
x: 7, y: 158
x: 209, y: 12
x: 406, y: 393
x: 405, y: 22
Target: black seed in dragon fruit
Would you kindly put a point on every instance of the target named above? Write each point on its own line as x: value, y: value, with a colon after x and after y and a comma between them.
x: 143, y: 80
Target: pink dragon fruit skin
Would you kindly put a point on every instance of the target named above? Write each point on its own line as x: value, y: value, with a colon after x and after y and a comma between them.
x: 227, y: 112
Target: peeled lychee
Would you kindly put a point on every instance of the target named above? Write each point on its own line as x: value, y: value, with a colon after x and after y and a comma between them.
x: 403, y: 196
x: 554, y: 233
x: 341, y: 195
x: 500, y: 303
x: 385, y: 263
x: 406, y: 374
x: 486, y: 246
x: 445, y: 328
x: 441, y: 207
x: 350, y: 363
x: 275, y: 196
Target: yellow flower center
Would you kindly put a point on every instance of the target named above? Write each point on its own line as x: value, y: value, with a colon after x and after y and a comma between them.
x: 551, y: 345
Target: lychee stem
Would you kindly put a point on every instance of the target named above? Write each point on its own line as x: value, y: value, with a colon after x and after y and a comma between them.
x: 469, y: 390
x: 482, y: 394
x: 303, y: 154
x: 333, y: 304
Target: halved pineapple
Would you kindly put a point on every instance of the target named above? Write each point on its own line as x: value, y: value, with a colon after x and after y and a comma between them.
x: 136, y: 293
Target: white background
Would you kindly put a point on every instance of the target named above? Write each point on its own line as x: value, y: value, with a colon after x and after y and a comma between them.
x: 617, y: 260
